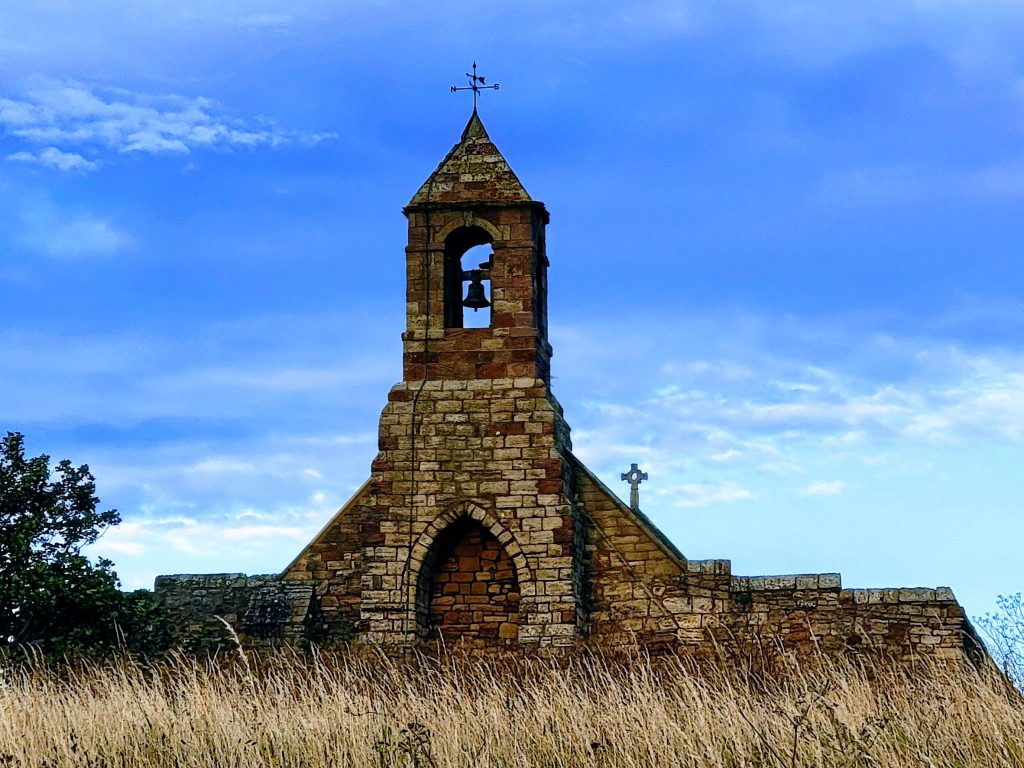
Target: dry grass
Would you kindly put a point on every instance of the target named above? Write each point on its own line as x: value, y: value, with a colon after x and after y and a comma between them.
x: 322, y: 713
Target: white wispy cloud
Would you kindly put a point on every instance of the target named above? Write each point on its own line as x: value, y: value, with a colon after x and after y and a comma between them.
x: 74, y: 114
x: 64, y: 234
x: 728, y: 455
x: 691, y: 495
x: 146, y: 545
x: 982, y: 405
x: 796, y: 415
x: 124, y: 547
x: 824, y: 488
x: 220, y: 465
x: 265, y: 533
x: 220, y: 371
x: 55, y: 158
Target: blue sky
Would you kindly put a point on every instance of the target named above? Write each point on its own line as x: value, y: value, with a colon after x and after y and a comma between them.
x: 785, y: 246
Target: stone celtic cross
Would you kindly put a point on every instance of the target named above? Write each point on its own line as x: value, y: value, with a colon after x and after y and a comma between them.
x: 634, y: 477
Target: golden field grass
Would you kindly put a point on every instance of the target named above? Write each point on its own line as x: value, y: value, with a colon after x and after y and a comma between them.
x: 321, y: 712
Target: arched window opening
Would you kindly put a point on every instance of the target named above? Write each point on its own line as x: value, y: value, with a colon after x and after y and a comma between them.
x: 467, y: 278
x: 468, y: 590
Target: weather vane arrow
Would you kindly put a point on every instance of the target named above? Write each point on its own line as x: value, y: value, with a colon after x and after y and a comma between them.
x: 477, y: 83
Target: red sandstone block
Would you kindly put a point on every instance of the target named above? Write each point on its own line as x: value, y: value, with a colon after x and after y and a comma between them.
x: 550, y: 486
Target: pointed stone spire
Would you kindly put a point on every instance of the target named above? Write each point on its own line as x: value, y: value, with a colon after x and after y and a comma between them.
x: 473, y: 171
x: 475, y: 129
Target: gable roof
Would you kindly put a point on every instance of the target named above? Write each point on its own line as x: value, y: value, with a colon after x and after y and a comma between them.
x: 473, y: 171
x: 638, y: 517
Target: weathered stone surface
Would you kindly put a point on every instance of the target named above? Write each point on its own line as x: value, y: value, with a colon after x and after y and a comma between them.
x: 263, y: 610
x: 473, y: 170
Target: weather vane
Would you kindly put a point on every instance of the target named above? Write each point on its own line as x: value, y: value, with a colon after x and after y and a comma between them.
x: 476, y: 84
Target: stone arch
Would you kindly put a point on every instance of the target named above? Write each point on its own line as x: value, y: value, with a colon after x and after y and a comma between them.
x: 436, y: 543
x: 468, y: 220
x: 460, y: 241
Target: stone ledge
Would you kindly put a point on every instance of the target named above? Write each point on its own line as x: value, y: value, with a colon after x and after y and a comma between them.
x: 715, y: 567
x: 793, y: 581
x: 900, y: 595
x: 172, y: 580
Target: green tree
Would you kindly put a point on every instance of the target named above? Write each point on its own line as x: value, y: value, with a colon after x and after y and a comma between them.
x: 51, y: 595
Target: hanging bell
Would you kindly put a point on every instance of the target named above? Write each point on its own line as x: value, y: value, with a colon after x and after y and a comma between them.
x: 475, y: 296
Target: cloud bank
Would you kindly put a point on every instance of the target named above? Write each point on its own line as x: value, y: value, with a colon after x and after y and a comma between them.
x: 54, y: 158
x: 56, y: 114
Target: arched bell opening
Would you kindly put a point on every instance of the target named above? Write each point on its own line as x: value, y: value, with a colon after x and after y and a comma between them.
x: 467, y: 278
x: 468, y: 589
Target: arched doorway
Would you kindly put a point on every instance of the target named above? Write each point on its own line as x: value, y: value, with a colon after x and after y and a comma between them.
x: 468, y: 589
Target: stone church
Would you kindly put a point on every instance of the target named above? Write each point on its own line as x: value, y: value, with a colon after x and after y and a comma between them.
x: 479, y: 528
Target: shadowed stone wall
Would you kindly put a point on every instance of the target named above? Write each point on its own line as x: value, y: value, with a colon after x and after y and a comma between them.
x: 263, y: 610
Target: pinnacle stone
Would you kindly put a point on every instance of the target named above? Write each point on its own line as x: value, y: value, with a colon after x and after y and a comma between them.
x: 475, y: 129
x: 474, y: 170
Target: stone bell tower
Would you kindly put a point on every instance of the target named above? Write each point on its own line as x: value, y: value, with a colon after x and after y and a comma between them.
x: 466, y: 531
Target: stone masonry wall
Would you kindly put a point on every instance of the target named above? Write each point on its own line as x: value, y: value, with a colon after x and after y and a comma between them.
x: 263, y: 610
x: 333, y: 562
x: 634, y: 577
x: 642, y: 591
x: 491, y: 450
x: 812, y: 612
x: 480, y: 582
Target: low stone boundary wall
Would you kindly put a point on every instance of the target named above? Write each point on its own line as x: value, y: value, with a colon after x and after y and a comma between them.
x: 263, y: 610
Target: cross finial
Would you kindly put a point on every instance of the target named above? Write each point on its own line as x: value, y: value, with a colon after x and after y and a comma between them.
x: 634, y: 477
x: 476, y: 84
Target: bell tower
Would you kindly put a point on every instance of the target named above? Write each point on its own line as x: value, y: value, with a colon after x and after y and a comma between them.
x: 474, y: 199
x: 468, y: 529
